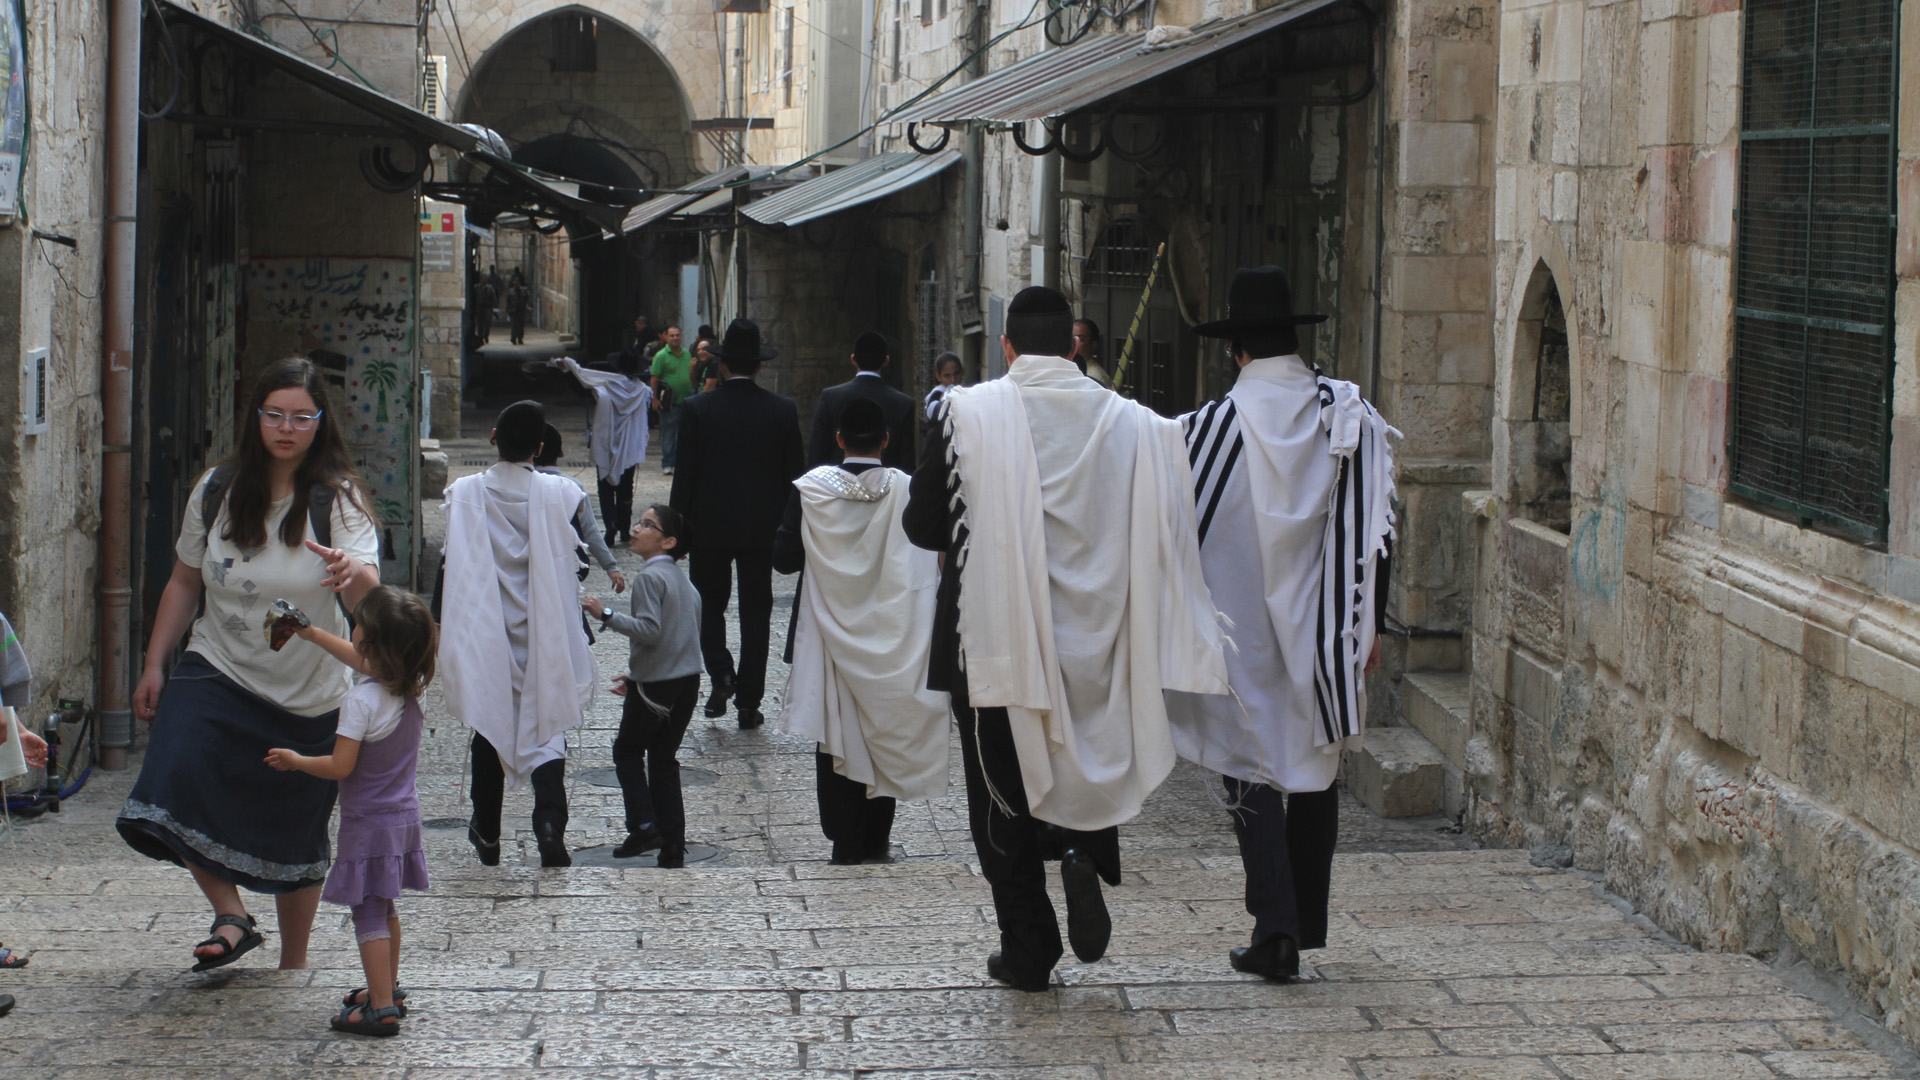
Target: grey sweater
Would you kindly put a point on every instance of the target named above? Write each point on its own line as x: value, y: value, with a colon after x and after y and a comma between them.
x: 664, y: 626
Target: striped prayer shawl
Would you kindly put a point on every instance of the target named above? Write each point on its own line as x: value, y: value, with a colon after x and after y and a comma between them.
x: 1215, y: 447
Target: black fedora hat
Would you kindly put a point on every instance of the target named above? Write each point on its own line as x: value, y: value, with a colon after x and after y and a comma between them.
x: 742, y: 342
x: 1259, y: 299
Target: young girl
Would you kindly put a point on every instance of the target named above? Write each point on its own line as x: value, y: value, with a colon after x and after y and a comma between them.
x: 374, y: 752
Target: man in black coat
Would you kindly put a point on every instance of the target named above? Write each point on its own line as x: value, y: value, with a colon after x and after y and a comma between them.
x: 870, y: 355
x: 739, y: 453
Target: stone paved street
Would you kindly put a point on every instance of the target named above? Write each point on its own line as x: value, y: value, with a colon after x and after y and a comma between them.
x: 761, y: 960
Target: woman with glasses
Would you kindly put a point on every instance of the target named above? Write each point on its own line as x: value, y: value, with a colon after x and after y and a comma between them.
x: 283, y: 518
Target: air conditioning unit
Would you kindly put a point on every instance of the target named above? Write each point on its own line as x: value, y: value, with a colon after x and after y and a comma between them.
x: 433, y: 87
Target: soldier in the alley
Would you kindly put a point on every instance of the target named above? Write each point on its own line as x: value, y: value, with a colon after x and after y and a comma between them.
x: 1065, y: 514
x: 513, y: 650
x: 1293, y: 480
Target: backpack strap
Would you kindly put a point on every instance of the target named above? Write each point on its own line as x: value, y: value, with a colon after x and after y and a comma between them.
x: 214, y: 494
x: 319, y: 504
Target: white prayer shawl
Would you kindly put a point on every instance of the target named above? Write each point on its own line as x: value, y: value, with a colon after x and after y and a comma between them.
x: 513, y: 651
x: 865, y: 632
x: 1081, y: 594
x: 617, y: 439
x: 1293, y: 480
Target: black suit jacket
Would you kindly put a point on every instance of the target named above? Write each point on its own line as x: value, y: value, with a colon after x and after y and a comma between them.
x: 739, y: 453
x: 897, y: 407
x: 929, y: 523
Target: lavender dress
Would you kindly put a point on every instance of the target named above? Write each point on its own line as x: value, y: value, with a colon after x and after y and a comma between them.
x: 379, y: 846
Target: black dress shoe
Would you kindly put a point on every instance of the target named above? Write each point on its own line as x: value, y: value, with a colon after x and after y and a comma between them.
x: 1277, y: 958
x: 637, y: 843
x: 6, y: 1004
x: 553, y: 845
x: 1089, y: 927
x: 672, y: 858
x: 1001, y: 971
x: 751, y: 718
x: 489, y: 852
x: 717, y: 701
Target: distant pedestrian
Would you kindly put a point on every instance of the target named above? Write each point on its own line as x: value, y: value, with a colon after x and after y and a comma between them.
x: 861, y: 642
x: 1086, y: 351
x: 20, y: 749
x: 871, y: 355
x: 484, y: 298
x: 661, y: 686
x: 739, y: 451
x: 617, y: 440
x: 519, y: 302
x: 252, y: 529
x: 706, y: 366
x: 947, y: 374
x: 518, y: 669
x: 376, y: 750
x: 672, y: 383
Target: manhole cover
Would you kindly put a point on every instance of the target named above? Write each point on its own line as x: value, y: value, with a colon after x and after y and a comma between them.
x: 444, y: 823
x: 603, y: 856
x: 606, y: 777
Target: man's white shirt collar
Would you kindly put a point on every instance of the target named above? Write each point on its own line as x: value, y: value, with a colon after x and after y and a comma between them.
x: 864, y: 371
x: 861, y: 461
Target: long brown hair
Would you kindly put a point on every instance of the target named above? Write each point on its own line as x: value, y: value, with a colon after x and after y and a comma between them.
x: 249, y: 492
x: 398, y: 639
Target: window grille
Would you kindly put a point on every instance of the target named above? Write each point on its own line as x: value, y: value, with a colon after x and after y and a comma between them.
x: 433, y: 84
x: 1814, y: 283
x: 786, y: 54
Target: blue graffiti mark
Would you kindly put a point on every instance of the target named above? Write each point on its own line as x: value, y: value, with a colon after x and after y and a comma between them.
x: 1600, y: 545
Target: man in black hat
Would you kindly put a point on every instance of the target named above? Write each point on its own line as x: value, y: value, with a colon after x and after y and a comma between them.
x: 739, y: 450
x: 870, y: 357
x: 1067, y: 512
x: 1304, y: 588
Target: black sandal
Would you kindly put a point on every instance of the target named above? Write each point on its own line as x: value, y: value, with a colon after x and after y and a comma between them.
x: 352, y: 1000
x: 371, y: 1022
x: 11, y: 959
x: 250, y: 940
x: 6, y: 1004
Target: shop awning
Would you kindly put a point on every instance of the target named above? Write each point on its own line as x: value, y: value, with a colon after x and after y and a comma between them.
x: 404, y: 119
x: 1056, y: 82
x: 673, y: 201
x: 875, y: 178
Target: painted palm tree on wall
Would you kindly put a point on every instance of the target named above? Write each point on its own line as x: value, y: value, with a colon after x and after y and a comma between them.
x: 383, y: 376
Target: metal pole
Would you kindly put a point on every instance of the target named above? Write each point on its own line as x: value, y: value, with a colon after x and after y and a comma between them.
x: 116, y: 386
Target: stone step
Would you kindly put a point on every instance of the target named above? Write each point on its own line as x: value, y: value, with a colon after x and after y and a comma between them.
x: 1397, y: 773
x: 1439, y: 705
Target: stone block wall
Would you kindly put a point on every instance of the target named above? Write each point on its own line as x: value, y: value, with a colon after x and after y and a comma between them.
x: 1710, y: 704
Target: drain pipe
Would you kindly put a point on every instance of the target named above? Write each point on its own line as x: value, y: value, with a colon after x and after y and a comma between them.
x: 116, y: 386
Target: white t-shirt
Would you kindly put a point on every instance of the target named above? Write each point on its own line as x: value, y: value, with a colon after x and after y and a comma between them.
x: 240, y: 585
x: 370, y: 713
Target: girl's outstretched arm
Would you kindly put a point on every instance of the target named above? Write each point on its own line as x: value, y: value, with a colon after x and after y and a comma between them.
x: 335, y: 766
x: 338, y: 647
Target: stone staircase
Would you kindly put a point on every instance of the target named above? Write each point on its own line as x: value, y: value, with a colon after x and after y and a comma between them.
x: 1415, y: 770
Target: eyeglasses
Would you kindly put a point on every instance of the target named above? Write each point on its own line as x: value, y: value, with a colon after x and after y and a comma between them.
x: 297, y: 421
x: 643, y: 523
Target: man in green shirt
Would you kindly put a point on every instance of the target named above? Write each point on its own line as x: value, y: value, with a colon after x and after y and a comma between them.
x: 673, y: 369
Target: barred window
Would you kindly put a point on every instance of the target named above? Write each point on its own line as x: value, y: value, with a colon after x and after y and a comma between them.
x: 1814, y: 282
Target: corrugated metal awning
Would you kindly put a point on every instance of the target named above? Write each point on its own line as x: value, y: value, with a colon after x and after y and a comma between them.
x: 875, y: 178
x: 673, y: 201
x: 404, y: 118
x: 1056, y: 82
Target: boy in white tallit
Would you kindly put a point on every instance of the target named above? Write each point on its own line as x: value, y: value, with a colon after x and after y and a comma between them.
x: 1293, y: 481
x: 513, y: 651
x: 861, y: 638
x: 1070, y: 599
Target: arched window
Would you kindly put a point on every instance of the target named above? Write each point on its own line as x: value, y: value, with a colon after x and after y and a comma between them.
x: 1541, y: 409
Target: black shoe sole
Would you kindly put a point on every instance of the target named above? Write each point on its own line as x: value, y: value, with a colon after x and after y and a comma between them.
x: 489, y: 854
x: 997, y: 970
x: 1089, y: 927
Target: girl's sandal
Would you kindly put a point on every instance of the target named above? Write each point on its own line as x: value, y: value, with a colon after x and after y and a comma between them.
x: 11, y: 959
x: 359, y: 997
x: 372, y: 1021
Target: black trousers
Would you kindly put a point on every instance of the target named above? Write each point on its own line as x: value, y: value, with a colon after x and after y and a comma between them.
x: 1013, y: 845
x: 711, y: 570
x: 616, y: 506
x: 860, y: 828
x: 1286, y: 848
x: 645, y: 757
x: 488, y: 789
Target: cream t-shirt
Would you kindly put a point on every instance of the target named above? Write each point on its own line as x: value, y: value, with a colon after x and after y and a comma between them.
x: 240, y: 585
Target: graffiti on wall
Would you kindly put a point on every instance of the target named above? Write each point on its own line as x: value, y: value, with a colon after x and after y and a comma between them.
x: 356, y: 317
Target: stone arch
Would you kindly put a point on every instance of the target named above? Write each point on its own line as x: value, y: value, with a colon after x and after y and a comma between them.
x: 1537, y: 406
